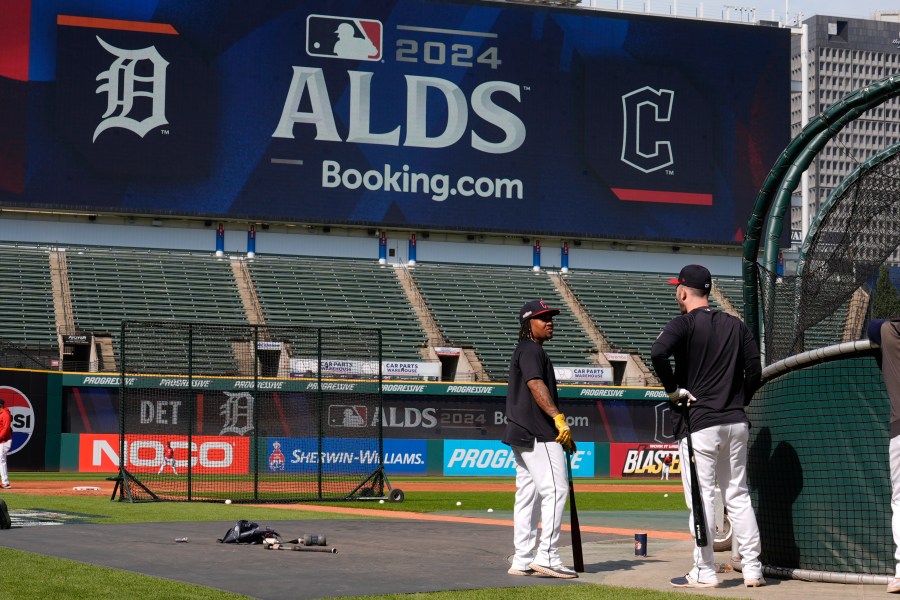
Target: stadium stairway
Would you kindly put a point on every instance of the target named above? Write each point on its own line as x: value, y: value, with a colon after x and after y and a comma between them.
x: 728, y: 292
x: 476, y: 307
x: 629, y: 308
x: 636, y: 370
x: 469, y: 367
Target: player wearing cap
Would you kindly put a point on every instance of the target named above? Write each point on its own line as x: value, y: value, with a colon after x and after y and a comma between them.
x: 537, y: 433
x: 716, y: 372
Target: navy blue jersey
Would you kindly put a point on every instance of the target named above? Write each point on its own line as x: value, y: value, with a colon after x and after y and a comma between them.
x: 716, y: 359
x: 525, y: 421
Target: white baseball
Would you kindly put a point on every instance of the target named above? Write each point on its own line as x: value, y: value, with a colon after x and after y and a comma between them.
x: 459, y: 503
x: 381, y: 502
x: 490, y: 510
x: 228, y: 502
x: 665, y: 495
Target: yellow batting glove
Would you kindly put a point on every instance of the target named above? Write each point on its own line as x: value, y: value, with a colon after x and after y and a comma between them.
x: 565, y: 434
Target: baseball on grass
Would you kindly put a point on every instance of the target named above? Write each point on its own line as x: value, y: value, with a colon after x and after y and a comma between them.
x: 459, y: 503
x: 490, y: 510
x: 228, y: 502
x: 665, y: 495
x: 381, y: 502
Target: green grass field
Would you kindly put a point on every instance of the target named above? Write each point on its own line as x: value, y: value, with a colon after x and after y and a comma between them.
x: 68, y: 579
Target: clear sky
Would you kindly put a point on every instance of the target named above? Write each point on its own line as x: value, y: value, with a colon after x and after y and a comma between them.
x: 741, y: 10
x: 838, y: 8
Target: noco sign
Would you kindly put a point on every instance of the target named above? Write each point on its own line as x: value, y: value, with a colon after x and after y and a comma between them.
x: 405, y: 113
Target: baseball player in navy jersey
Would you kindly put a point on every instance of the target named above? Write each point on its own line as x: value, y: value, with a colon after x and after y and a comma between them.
x: 886, y: 333
x: 537, y: 433
x: 717, y: 369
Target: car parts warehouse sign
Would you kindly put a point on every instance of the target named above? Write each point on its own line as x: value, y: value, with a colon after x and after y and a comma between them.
x: 400, y: 113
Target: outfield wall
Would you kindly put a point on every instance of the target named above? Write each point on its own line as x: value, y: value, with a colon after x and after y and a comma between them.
x: 69, y: 422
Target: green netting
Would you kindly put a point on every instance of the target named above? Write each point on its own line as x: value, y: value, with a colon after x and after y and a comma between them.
x: 818, y: 468
x: 251, y: 413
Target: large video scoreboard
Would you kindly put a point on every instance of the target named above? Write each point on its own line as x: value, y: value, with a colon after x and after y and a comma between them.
x: 395, y: 113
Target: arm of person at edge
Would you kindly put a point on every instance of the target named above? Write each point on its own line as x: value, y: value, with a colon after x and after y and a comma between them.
x: 752, y: 366
x: 541, y: 394
x: 663, y: 348
x: 874, y: 334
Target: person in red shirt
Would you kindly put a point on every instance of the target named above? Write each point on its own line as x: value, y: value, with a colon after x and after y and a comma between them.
x: 666, y: 464
x: 168, y: 459
x: 5, y: 443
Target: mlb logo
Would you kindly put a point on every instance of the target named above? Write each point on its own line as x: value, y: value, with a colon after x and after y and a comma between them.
x: 347, y: 415
x: 343, y: 37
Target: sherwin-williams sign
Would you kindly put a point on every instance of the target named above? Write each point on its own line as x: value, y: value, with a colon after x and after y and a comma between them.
x: 304, y: 455
x: 397, y: 113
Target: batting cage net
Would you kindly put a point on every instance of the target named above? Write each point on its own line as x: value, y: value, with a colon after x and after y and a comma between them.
x: 853, y: 234
x: 818, y: 463
x: 249, y: 413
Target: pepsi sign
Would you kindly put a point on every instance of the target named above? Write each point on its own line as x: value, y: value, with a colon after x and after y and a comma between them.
x: 22, y: 413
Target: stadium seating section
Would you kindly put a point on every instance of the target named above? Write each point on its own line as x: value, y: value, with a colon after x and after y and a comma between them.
x: 474, y: 306
x: 477, y: 306
x: 630, y: 309
x: 26, y: 304
x: 296, y: 290
x: 111, y: 285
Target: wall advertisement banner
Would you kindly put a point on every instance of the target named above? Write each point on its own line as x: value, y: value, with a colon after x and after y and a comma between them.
x: 99, y: 453
x: 642, y: 460
x: 302, y: 455
x: 95, y: 410
x: 585, y: 392
x: 25, y: 394
x: 487, y: 458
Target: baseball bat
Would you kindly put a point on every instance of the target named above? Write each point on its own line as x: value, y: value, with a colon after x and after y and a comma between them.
x: 577, y: 553
x: 309, y: 540
x: 314, y: 549
x: 700, y: 536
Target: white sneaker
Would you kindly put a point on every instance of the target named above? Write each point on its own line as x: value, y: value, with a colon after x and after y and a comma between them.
x: 758, y: 582
x: 688, y: 581
x: 893, y: 586
x: 558, y: 571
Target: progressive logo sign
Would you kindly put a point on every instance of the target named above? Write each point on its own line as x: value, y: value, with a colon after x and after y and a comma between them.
x: 22, y: 416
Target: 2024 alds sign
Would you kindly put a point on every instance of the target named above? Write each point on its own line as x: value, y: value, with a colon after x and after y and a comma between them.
x: 411, y: 113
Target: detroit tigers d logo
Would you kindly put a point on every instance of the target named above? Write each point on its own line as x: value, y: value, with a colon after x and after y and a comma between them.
x: 123, y: 86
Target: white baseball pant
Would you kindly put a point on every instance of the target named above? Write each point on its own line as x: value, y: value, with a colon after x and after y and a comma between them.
x: 4, y: 470
x: 895, y: 498
x: 542, y: 488
x: 721, y: 455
